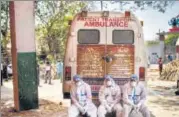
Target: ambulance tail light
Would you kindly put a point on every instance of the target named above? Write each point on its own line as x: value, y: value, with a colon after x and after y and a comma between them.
x: 84, y: 13
x: 127, y: 13
x: 67, y: 73
x: 142, y: 73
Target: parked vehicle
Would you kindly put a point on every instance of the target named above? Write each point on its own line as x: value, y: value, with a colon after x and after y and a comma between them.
x: 102, y: 43
x: 9, y: 70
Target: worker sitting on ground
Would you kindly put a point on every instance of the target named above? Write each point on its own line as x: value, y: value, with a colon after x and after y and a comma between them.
x: 109, y: 97
x: 134, y: 97
x: 81, y: 99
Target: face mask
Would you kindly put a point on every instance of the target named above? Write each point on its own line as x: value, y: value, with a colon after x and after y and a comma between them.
x: 109, y: 83
x: 133, y: 84
x: 78, y: 83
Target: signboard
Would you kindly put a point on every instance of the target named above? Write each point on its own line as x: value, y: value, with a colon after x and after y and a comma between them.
x: 89, y: 60
x: 122, y: 65
x: 104, y: 22
x: 174, y: 30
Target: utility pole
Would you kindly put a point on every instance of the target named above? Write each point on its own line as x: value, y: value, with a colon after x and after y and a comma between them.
x: 101, y: 5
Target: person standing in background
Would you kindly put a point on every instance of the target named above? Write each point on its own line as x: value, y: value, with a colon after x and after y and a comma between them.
x: 1, y: 74
x: 48, y: 69
x: 160, y: 63
x: 38, y: 75
x: 59, y: 67
x: 170, y: 58
x: 5, y: 76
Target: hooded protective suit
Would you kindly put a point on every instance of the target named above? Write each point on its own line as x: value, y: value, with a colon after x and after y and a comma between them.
x: 109, y: 97
x: 135, y: 97
x: 81, y: 101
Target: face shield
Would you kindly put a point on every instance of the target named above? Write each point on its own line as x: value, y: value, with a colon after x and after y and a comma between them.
x: 77, y: 80
x: 133, y: 80
x: 108, y: 80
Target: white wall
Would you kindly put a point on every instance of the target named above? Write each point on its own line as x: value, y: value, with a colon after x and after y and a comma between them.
x: 157, y: 48
x: 25, y: 26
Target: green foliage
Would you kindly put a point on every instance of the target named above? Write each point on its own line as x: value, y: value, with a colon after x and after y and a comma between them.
x: 52, y: 27
x: 152, y: 42
x: 160, y: 6
x: 171, y: 39
x: 5, y: 39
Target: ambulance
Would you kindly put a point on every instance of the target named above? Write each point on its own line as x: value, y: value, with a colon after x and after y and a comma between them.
x: 101, y: 43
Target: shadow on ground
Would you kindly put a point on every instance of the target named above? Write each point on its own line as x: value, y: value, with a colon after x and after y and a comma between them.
x: 46, y: 109
x: 167, y: 104
x: 151, y: 115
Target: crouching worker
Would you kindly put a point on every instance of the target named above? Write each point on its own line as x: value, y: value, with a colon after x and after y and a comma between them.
x: 81, y: 99
x: 134, y: 97
x: 109, y: 97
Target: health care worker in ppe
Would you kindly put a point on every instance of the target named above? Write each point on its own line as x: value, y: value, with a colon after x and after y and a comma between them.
x: 134, y: 97
x: 109, y: 97
x: 81, y: 99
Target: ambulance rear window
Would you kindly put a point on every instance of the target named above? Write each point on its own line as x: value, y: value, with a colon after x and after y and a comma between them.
x: 123, y: 36
x: 88, y: 36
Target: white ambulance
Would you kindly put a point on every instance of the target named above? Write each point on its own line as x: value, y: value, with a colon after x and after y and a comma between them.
x: 101, y: 43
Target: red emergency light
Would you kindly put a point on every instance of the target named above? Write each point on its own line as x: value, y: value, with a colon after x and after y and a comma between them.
x: 127, y: 13
x: 67, y: 73
x: 142, y: 73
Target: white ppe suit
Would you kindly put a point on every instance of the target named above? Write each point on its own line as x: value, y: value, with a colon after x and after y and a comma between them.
x: 81, y: 101
x: 135, y: 97
x: 109, y: 98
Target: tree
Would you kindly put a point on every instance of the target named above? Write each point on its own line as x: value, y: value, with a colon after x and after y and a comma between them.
x: 160, y: 6
x: 52, y: 27
x: 171, y: 39
x: 5, y: 33
x: 152, y: 42
x: 4, y: 21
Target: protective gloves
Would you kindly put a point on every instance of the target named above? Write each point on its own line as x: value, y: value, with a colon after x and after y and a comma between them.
x: 109, y: 109
x: 85, y: 108
x: 81, y: 109
x: 137, y: 107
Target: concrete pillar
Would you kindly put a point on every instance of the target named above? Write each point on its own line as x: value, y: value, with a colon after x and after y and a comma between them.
x: 22, y: 24
x: 162, y: 46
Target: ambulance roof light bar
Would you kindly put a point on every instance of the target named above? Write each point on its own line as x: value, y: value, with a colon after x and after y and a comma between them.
x: 84, y: 13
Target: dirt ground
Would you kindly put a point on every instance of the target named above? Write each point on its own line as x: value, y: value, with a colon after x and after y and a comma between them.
x: 46, y: 109
x: 161, y: 102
